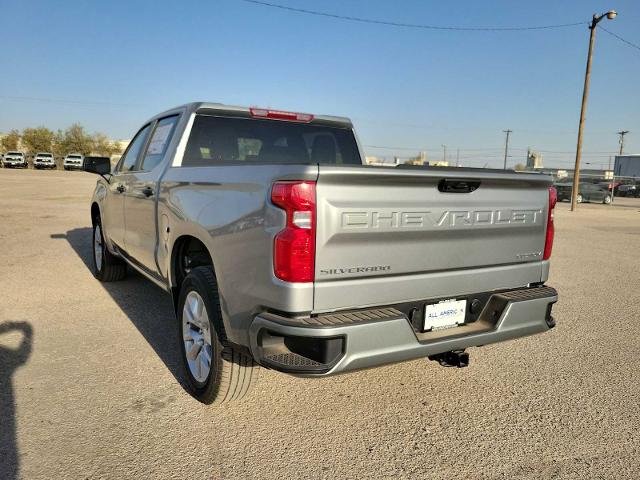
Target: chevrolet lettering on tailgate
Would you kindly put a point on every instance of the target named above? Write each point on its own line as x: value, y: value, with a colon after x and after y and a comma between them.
x: 382, y: 219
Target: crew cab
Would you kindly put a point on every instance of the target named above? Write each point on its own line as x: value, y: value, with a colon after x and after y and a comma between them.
x: 44, y: 160
x: 280, y: 248
x: 14, y: 160
x: 73, y: 161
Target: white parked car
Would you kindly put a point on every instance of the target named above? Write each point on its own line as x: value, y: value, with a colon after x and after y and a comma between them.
x: 14, y: 160
x: 44, y: 160
x: 73, y: 160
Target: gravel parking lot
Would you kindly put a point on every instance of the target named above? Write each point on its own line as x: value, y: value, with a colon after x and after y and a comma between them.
x: 90, y: 373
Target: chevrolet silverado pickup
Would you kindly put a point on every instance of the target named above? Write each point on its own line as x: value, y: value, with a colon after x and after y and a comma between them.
x: 14, y: 160
x: 73, y: 161
x: 280, y: 248
x: 44, y: 160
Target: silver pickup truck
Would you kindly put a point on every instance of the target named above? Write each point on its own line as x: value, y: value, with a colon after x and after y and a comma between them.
x: 280, y: 248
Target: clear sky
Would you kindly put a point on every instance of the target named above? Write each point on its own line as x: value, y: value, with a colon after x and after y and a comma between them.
x: 110, y: 65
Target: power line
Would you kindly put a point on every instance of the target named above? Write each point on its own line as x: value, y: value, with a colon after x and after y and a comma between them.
x: 426, y: 126
x: 408, y: 25
x: 64, y: 101
x: 621, y: 39
x: 495, y: 150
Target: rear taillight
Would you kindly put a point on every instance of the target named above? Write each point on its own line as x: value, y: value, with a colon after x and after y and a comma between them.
x: 548, y: 244
x: 294, y: 248
x: 281, y: 115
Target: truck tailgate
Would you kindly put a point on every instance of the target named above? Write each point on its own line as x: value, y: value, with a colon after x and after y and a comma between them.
x: 384, y: 223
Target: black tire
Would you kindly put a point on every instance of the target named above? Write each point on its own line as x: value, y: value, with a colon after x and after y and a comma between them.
x: 111, y: 268
x: 607, y: 199
x: 231, y: 372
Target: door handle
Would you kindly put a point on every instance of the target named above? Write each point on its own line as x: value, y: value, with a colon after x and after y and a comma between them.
x: 147, y: 191
x: 120, y: 188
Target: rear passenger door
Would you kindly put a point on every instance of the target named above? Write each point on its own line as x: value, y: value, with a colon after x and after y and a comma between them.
x: 140, y: 199
x: 113, y: 206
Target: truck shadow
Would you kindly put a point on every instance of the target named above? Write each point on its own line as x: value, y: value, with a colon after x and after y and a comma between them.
x: 148, y: 307
x: 11, y: 359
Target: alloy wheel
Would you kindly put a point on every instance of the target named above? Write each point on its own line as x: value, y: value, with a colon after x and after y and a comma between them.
x: 97, y: 247
x: 196, y: 332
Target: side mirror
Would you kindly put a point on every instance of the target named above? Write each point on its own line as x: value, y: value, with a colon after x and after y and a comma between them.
x: 99, y: 165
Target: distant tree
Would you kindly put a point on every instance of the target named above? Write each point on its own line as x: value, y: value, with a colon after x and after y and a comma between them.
x: 76, y: 140
x: 10, y: 141
x: 58, y: 144
x: 103, y: 146
x: 38, y: 139
x: 62, y: 142
x: 520, y: 167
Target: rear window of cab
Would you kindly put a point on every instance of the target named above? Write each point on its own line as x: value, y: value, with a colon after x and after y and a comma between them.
x: 218, y: 140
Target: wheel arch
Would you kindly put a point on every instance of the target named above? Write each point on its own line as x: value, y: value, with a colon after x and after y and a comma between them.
x: 95, y: 212
x: 187, y: 252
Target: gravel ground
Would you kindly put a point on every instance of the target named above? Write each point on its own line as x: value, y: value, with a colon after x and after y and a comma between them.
x: 90, y: 373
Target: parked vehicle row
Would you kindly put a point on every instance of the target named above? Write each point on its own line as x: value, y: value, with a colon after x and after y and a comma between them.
x: 41, y: 160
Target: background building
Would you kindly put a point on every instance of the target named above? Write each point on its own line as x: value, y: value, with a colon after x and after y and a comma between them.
x: 534, y: 160
x: 627, y: 166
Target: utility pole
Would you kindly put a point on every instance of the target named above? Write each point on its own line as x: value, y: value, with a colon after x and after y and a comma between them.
x: 457, y: 157
x: 506, y: 147
x: 444, y: 154
x: 611, y: 14
x: 622, y: 133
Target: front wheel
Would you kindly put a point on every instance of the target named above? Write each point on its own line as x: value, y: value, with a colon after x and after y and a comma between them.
x: 106, y: 266
x: 579, y: 198
x: 607, y: 199
x: 216, y: 371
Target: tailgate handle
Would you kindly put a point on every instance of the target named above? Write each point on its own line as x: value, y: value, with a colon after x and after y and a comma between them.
x: 458, y: 186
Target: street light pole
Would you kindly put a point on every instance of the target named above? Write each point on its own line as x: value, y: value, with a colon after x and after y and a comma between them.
x: 444, y: 154
x: 611, y: 14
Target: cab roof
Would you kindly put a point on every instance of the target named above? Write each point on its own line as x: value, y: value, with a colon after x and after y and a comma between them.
x: 233, y: 110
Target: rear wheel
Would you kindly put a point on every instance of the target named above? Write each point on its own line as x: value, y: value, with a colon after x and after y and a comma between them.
x: 106, y: 266
x: 579, y: 198
x: 216, y: 371
x: 607, y: 199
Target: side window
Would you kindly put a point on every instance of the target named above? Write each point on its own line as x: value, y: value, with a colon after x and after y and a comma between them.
x: 128, y: 162
x: 159, y: 142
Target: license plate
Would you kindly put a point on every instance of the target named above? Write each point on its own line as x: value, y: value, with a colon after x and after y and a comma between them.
x: 445, y: 314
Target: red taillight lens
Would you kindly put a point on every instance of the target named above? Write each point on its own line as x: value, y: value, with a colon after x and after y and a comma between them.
x: 548, y: 244
x: 294, y: 248
x: 281, y: 115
